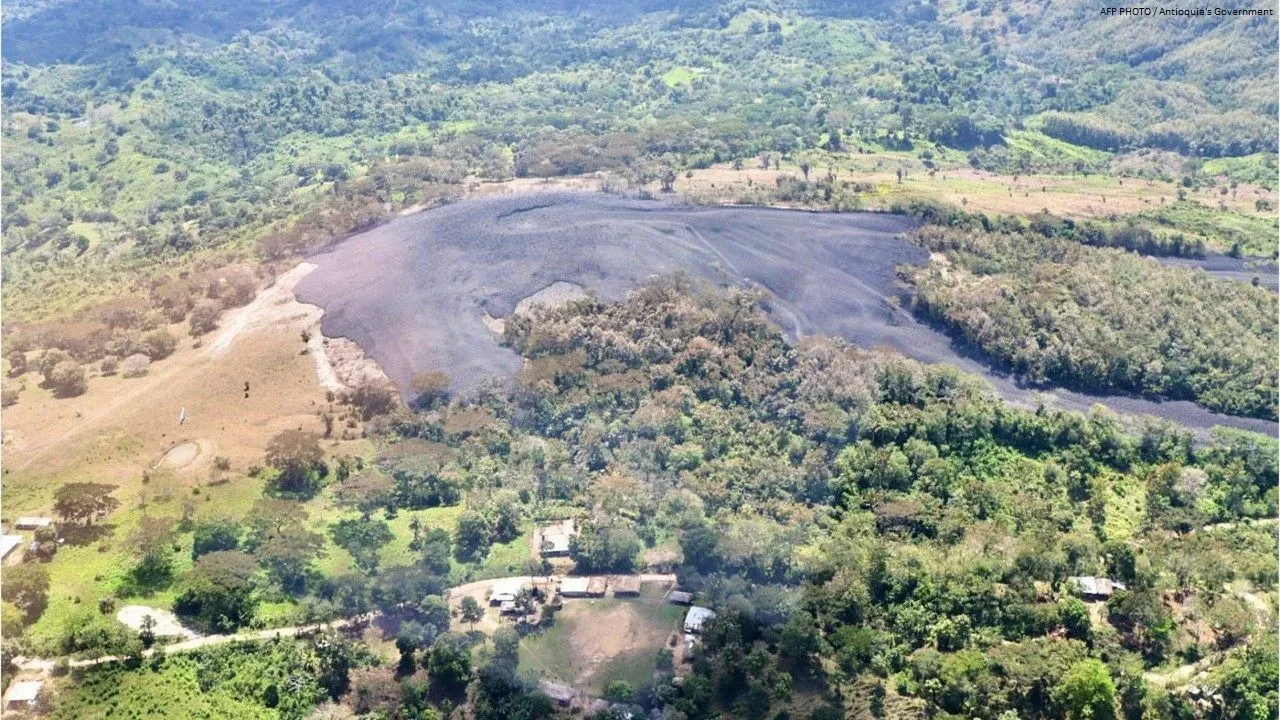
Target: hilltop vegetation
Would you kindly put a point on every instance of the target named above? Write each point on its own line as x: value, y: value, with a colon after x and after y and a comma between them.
x: 879, y: 538
x: 189, y: 130
x: 870, y: 530
x: 1051, y: 309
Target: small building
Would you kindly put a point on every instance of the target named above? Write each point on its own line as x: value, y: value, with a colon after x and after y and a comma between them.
x: 580, y: 587
x: 1095, y: 588
x: 8, y: 543
x: 599, y: 705
x: 679, y: 597
x: 555, y: 546
x: 625, y: 585
x: 505, y: 590
x: 696, y: 618
x: 689, y: 641
x: 23, y: 694
x: 556, y: 538
x: 33, y: 523
x: 560, y: 693
x: 572, y: 587
x: 596, y: 587
x: 507, y: 607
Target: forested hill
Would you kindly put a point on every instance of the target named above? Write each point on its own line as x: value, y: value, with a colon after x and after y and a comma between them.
x: 143, y: 129
x: 1122, y: 82
x: 1200, y: 84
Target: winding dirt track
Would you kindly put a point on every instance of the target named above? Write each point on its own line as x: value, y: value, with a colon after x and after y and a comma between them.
x: 43, y: 665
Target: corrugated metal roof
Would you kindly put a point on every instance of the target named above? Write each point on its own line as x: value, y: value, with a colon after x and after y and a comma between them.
x: 23, y: 691
x: 574, y: 584
x: 697, y: 615
x: 8, y: 543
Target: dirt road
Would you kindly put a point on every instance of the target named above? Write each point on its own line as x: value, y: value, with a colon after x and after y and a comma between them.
x: 274, y: 309
x: 478, y: 588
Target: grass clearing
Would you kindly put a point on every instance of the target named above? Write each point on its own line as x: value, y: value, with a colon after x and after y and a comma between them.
x: 506, y: 558
x: 679, y: 76
x: 1220, y: 220
x: 1252, y: 233
x: 1256, y: 169
x: 1042, y: 149
x: 594, y: 642
x: 1126, y: 507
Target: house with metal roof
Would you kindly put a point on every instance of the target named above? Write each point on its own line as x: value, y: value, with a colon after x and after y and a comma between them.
x: 696, y: 618
x: 32, y: 522
x: 1095, y: 588
x: 23, y: 694
x: 556, y: 538
x: 625, y: 585
x: 574, y: 587
x: 596, y: 587
x: 560, y: 693
x: 580, y: 587
x: 8, y: 543
x: 505, y: 590
x: 678, y: 597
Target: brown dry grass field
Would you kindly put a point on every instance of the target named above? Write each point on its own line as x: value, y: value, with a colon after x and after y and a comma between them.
x: 1074, y: 196
x: 122, y: 426
x: 125, y: 432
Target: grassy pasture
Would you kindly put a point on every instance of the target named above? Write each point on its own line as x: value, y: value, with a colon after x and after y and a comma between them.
x: 594, y: 642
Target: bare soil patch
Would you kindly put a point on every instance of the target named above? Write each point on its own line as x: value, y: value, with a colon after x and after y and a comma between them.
x: 166, y: 623
x: 184, y: 454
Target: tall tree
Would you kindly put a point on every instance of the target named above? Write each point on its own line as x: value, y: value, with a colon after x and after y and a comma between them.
x: 298, y: 457
x: 152, y: 546
x: 366, y: 491
x: 449, y: 661
x: 1087, y: 692
x: 84, y: 501
x: 27, y: 587
x: 471, y: 612
x: 473, y: 536
x: 364, y: 538
x: 217, y: 597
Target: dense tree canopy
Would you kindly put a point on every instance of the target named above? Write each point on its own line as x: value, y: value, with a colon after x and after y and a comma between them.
x: 292, y: 123
x: 1051, y: 309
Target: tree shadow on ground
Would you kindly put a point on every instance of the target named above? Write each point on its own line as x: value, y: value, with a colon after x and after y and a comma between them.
x: 81, y: 535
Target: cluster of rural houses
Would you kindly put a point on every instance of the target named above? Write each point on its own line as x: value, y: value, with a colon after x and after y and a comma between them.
x: 505, y: 593
x: 22, y: 694
x: 10, y: 541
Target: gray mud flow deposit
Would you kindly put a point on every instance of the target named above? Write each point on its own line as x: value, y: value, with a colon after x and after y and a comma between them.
x: 415, y: 291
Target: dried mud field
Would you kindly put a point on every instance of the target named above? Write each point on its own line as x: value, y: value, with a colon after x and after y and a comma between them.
x: 421, y: 292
